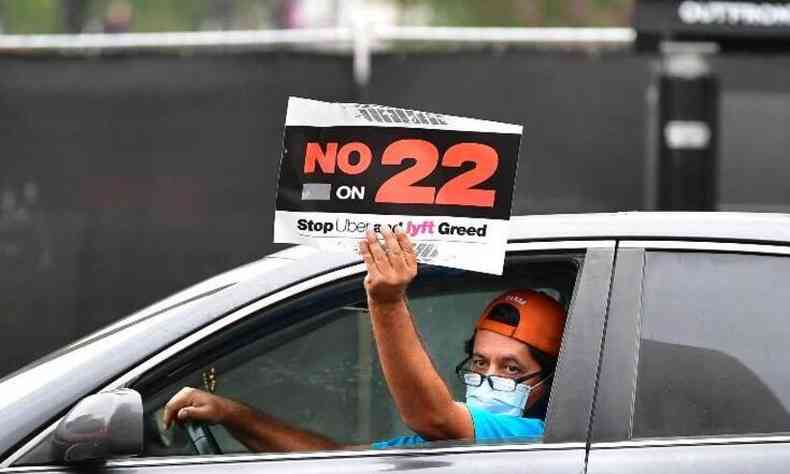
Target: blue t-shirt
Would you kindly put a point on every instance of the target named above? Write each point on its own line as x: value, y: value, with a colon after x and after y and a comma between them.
x: 488, y: 427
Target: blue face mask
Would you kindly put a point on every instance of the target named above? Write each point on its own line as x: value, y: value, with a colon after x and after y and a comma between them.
x: 498, y: 401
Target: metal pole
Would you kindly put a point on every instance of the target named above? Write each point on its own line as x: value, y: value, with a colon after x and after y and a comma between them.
x: 362, y: 54
x: 688, y: 129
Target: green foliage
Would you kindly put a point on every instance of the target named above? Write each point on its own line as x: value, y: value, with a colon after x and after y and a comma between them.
x: 49, y: 16
x: 31, y: 16
x: 526, y: 12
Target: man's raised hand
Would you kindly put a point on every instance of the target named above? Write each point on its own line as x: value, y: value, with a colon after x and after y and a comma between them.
x: 391, y: 265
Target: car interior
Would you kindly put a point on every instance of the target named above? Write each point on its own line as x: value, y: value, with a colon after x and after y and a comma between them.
x: 311, y: 360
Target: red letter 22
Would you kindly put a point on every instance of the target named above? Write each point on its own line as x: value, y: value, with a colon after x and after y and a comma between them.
x: 459, y: 191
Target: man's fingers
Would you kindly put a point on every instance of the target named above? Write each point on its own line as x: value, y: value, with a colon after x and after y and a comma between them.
x: 199, y: 413
x: 183, y: 414
x: 393, y: 248
x: 404, y: 241
x: 407, y: 247
x: 179, y: 400
x: 184, y: 399
x: 394, y: 252
x: 364, y: 252
x: 377, y: 251
x: 167, y: 417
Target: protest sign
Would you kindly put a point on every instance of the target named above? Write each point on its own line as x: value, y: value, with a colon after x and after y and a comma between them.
x: 446, y: 180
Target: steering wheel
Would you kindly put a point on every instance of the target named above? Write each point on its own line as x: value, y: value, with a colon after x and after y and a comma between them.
x: 201, y: 438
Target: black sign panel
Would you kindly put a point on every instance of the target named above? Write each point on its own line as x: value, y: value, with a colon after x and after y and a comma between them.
x: 397, y: 171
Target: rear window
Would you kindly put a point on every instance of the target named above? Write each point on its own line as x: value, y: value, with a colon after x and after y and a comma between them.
x: 713, y: 353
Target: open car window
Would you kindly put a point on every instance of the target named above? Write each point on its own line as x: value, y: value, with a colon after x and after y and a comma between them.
x: 312, y: 361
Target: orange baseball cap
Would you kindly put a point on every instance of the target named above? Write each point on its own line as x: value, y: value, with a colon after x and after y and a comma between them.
x: 539, y: 323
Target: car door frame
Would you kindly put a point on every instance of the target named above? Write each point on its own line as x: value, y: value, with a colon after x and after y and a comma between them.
x: 573, y: 388
x: 612, y: 447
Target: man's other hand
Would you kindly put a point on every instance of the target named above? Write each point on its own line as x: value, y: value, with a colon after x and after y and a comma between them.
x: 391, y: 266
x: 191, y: 404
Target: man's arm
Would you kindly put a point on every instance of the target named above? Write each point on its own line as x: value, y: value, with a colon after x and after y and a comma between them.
x: 423, y: 400
x: 256, y: 430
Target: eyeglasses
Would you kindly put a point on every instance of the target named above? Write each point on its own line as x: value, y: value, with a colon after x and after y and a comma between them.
x: 497, y: 382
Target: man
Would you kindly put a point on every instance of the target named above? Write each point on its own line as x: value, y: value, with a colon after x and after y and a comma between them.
x: 511, y: 359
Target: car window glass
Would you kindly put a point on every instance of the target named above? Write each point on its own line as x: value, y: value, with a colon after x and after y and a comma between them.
x: 317, y: 367
x: 309, y: 374
x: 713, y: 350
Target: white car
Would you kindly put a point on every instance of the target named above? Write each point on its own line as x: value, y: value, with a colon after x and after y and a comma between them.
x: 674, y: 359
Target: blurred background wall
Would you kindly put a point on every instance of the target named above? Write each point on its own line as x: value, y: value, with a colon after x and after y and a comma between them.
x: 125, y: 176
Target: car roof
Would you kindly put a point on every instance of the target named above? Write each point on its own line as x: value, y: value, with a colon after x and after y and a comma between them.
x: 716, y: 226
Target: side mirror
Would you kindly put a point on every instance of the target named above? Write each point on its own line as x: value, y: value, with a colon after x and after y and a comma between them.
x: 101, y: 426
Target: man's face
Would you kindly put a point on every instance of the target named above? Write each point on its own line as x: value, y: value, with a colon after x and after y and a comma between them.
x: 495, y: 354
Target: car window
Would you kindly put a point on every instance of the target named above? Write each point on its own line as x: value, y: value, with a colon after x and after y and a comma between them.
x: 713, y: 350
x: 313, y: 362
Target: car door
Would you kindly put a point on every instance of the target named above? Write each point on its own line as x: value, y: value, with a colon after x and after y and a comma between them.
x: 694, y: 370
x: 306, y: 356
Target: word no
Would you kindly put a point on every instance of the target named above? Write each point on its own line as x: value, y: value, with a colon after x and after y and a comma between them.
x: 401, y: 188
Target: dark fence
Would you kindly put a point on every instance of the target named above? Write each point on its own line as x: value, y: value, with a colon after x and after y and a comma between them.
x: 127, y: 177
